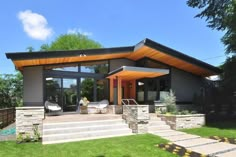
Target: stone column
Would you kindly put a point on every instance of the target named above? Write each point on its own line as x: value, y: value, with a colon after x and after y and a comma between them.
x: 27, y: 118
x: 137, y: 117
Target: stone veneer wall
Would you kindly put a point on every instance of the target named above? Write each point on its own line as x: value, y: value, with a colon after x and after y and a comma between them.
x: 137, y: 117
x: 115, y: 109
x: 27, y: 118
x: 183, y: 121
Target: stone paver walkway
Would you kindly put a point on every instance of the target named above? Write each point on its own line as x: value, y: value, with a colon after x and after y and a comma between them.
x: 198, y: 144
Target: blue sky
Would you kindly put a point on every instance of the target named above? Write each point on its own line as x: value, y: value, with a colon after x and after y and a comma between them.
x: 112, y: 23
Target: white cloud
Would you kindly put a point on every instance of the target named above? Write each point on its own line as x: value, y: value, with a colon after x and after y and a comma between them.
x: 35, y: 25
x: 79, y: 30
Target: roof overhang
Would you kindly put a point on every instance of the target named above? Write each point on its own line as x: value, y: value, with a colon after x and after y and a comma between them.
x: 134, y: 73
x: 146, y: 48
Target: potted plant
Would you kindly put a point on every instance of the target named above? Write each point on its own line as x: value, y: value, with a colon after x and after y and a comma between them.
x: 84, y: 105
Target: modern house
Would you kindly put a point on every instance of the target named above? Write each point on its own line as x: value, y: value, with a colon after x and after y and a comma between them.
x: 139, y: 72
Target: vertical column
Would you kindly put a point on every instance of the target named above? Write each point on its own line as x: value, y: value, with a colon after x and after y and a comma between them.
x: 119, y: 90
x: 133, y: 89
x: 111, y: 90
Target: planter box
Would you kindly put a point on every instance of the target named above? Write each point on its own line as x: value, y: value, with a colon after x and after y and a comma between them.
x: 183, y: 121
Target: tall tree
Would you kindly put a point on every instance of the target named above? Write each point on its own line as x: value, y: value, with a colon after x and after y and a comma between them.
x: 220, y: 15
x: 71, y: 42
x: 11, y: 87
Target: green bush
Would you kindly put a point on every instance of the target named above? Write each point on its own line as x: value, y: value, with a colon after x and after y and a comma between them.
x: 184, y: 112
x: 170, y: 101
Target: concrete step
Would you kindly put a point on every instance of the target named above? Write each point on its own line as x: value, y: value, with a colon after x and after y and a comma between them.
x: 158, y: 127
x: 81, y: 124
x: 73, y: 129
x: 68, y: 137
x: 160, y: 131
x: 156, y: 122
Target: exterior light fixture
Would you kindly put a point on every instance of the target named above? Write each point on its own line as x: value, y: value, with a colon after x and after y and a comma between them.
x: 82, y: 54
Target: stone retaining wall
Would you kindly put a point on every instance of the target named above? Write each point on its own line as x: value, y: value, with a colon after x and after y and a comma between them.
x: 183, y: 121
x: 115, y: 109
x: 137, y: 117
x: 27, y: 118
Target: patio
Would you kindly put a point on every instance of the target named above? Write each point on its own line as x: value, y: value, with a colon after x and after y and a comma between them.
x: 75, y: 117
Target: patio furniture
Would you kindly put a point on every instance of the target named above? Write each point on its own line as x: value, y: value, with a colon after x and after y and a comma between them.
x: 95, y: 107
x: 53, y: 107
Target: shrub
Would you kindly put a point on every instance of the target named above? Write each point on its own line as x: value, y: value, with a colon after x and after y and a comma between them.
x: 170, y: 101
x: 184, y: 112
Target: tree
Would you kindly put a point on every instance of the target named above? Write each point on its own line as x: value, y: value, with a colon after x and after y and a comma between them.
x: 30, y: 49
x: 71, y: 42
x: 11, y: 88
x: 220, y: 15
x: 229, y: 75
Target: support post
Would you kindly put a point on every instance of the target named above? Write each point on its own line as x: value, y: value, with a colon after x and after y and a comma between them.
x: 119, y: 90
x: 111, y: 90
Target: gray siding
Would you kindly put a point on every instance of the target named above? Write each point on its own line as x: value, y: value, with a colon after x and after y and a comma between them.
x: 116, y: 63
x: 185, y: 84
x: 33, y: 86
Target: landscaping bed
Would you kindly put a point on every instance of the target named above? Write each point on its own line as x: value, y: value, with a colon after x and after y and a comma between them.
x: 179, y: 150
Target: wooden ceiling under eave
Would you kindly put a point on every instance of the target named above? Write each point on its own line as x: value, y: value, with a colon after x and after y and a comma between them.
x: 62, y: 60
x: 146, y: 51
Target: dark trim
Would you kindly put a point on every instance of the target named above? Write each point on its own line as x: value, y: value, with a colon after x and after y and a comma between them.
x: 68, y: 74
x: 67, y: 53
x: 177, y: 54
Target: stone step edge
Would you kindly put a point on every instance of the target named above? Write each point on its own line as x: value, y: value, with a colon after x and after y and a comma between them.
x: 161, y: 131
x: 93, y: 126
x: 88, y: 132
x: 202, y: 144
x: 158, y: 125
x: 83, y: 139
x: 83, y: 122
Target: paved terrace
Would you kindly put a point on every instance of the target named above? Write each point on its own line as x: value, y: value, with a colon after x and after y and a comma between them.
x: 75, y: 117
x: 198, y: 144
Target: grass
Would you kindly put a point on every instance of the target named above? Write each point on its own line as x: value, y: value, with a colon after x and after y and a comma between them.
x: 128, y: 146
x: 223, y: 129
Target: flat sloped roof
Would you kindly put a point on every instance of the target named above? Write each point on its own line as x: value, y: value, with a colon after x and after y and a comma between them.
x: 145, y: 48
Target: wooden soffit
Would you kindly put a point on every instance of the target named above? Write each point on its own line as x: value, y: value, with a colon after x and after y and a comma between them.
x: 134, y: 73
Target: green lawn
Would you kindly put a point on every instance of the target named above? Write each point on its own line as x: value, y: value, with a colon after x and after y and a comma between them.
x: 224, y: 129
x: 128, y: 146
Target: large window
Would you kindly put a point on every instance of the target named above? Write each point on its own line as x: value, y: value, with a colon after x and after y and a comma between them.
x: 69, y: 94
x: 94, y: 67
x: 87, y: 88
x: 53, y: 90
x: 140, y: 90
x: 63, y: 67
x: 102, y: 89
x: 66, y: 84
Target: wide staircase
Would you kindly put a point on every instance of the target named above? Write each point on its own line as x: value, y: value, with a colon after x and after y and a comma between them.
x: 156, y: 125
x: 60, y: 132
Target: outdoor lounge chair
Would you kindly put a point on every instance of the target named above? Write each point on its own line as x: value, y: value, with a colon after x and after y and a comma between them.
x: 53, y: 107
x: 97, y: 107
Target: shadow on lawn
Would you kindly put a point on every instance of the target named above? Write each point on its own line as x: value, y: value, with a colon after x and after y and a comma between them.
x: 223, y: 124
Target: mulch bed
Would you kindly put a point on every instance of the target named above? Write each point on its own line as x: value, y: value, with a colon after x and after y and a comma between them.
x: 179, y: 150
x: 224, y: 139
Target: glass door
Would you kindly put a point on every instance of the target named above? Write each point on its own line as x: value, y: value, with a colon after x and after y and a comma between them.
x: 69, y: 94
x: 62, y: 91
x: 54, y: 90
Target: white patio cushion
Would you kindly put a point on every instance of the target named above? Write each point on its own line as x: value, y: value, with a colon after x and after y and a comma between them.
x: 54, y: 108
